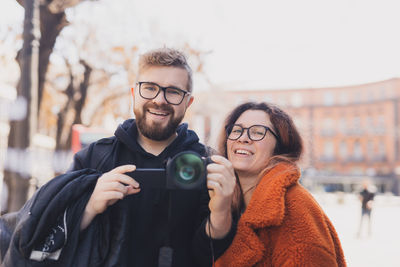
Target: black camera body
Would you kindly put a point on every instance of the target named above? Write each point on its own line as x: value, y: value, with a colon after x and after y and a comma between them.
x: 186, y: 170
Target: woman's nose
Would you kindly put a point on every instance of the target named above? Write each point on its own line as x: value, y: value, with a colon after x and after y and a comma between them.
x: 245, y: 136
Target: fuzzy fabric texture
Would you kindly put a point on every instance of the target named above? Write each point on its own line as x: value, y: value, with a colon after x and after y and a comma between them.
x: 283, y: 225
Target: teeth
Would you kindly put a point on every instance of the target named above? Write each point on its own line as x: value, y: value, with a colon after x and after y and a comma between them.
x: 243, y: 152
x: 158, y: 113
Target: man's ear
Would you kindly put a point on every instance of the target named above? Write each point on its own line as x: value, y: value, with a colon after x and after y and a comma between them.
x: 133, y: 92
x: 190, y: 101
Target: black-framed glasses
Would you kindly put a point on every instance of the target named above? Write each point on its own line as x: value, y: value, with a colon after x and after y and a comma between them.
x: 173, y: 95
x: 254, y: 132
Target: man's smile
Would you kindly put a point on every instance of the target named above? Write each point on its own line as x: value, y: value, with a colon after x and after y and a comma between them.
x: 158, y: 112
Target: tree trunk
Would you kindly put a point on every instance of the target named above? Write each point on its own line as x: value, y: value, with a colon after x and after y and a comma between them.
x: 21, y: 132
x: 71, y: 112
x: 17, y: 179
x: 50, y: 27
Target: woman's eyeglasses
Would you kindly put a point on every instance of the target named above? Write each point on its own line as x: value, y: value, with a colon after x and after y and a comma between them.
x: 254, y: 132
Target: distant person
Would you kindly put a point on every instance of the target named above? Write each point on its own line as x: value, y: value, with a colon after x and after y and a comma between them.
x: 97, y: 215
x: 366, y: 197
x: 280, y: 223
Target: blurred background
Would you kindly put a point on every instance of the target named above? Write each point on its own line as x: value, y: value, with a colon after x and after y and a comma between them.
x: 66, y: 68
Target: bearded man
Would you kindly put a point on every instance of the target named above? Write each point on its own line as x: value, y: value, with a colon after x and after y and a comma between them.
x: 110, y: 219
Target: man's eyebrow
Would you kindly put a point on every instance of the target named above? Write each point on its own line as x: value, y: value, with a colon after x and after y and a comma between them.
x: 168, y: 86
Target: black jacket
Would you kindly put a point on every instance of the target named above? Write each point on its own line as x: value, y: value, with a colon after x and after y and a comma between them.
x: 50, y: 219
x: 132, y: 231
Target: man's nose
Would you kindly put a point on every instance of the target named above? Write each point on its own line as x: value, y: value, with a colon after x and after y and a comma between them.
x: 160, y: 98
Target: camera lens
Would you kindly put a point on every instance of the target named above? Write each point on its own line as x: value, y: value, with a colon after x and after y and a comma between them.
x: 187, y: 172
x: 189, y: 167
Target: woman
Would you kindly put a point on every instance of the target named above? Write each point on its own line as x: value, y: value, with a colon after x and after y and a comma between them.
x: 280, y: 223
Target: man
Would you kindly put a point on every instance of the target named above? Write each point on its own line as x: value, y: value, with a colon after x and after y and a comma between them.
x: 116, y: 222
x: 366, y: 197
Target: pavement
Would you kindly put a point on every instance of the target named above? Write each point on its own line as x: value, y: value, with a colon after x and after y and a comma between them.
x: 382, y: 247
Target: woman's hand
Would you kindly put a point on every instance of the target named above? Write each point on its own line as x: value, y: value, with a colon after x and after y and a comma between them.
x: 221, y: 181
x: 110, y: 187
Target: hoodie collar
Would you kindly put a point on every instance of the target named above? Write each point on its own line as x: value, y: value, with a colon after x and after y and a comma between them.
x: 127, y: 133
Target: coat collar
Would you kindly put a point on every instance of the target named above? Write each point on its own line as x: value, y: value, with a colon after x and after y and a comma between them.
x: 267, y: 204
x: 266, y: 208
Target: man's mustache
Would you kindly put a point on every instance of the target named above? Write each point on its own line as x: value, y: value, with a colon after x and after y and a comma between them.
x: 164, y: 107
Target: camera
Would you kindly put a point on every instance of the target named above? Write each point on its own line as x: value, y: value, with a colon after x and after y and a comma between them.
x: 186, y: 170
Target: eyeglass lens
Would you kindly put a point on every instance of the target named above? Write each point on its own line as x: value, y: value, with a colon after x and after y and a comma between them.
x: 151, y: 90
x: 255, y: 132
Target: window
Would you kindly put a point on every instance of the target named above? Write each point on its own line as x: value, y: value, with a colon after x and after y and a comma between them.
x: 342, y: 125
x: 380, y: 127
x: 370, y: 149
x: 296, y: 100
x: 343, y: 150
x: 357, y: 152
x: 329, y: 150
x: 327, y: 126
x: 357, y: 125
x: 343, y: 98
x: 328, y: 99
x: 370, y: 124
x: 381, y: 149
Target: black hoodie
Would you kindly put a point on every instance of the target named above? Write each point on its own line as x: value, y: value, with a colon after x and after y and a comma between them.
x: 129, y: 233
x: 132, y: 231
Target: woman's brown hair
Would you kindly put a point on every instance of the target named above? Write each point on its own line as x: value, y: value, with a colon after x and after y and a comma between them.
x: 289, y: 145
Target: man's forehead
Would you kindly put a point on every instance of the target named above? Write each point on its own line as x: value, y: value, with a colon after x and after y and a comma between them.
x: 165, y: 76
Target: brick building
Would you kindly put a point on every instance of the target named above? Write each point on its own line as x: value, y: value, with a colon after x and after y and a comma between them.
x: 350, y: 133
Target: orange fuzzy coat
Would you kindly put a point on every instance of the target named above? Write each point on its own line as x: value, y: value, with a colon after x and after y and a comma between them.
x: 283, y: 226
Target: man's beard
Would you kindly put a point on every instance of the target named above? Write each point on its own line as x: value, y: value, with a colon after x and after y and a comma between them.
x: 154, y: 131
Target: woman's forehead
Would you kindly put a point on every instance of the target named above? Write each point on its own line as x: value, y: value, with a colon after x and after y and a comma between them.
x: 251, y: 117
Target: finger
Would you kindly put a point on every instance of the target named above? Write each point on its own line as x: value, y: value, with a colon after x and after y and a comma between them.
x: 123, y: 169
x: 128, y: 180
x: 220, y: 160
x: 224, y: 179
x: 131, y: 190
x: 216, y: 177
x: 114, y: 186
x: 214, y: 186
x: 211, y: 192
x: 226, y: 185
x: 220, y: 165
x: 111, y: 195
x: 121, y: 178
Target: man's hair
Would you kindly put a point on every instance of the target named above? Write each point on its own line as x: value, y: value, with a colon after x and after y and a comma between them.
x: 166, y: 57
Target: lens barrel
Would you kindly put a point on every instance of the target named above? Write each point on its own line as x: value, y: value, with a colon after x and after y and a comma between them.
x: 186, y: 170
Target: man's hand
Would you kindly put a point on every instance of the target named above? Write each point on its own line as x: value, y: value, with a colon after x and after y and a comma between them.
x: 221, y: 180
x: 110, y: 187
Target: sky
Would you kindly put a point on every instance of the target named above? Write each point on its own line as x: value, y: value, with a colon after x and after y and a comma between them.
x: 263, y: 44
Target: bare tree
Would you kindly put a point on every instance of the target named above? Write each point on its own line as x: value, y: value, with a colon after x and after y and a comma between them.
x: 71, y: 112
x: 102, y: 63
x: 52, y: 21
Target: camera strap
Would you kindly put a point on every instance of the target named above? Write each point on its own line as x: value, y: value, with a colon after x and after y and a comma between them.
x: 166, y: 252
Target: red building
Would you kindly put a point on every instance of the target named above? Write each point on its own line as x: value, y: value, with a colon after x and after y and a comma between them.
x: 350, y: 133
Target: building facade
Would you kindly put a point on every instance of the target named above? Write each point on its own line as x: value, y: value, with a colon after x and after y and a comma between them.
x: 350, y: 133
